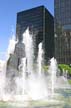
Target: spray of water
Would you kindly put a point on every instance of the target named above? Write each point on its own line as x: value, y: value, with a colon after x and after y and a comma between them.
x: 40, y: 58
x: 52, y: 72
x: 34, y: 82
x: 2, y: 79
x: 29, y: 85
x: 28, y: 41
x: 11, y: 46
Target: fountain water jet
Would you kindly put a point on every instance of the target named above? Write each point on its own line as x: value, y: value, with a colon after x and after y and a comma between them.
x: 40, y: 58
x: 53, y: 71
x: 28, y: 41
x: 11, y: 46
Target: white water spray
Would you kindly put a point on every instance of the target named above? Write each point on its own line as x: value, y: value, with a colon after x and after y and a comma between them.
x: 30, y: 86
x: 40, y: 58
x: 53, y: 71
x: 11, y: 46
x: 28, y: 41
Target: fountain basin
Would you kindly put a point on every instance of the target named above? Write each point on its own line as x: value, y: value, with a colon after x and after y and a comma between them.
x: 33, y: 104
x: 58, y: 101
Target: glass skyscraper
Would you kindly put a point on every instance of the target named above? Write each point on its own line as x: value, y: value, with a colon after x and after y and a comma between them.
x: 63, y: 12
x: 62, y: 9
x: 41, y: 23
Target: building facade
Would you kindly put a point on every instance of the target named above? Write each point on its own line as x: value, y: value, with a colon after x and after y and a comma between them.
x: 41, y: 23
x: 62, y: 11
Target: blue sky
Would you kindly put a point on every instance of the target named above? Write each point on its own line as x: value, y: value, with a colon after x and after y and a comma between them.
x: 8, y: 14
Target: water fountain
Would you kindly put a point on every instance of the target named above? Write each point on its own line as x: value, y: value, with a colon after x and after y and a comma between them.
x: 40, y: 58
x: 30, y: 89
x: 52, y: 72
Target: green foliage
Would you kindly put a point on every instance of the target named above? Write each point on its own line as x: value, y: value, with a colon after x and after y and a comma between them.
x: 65, y: 67
x: 60, y: 66
x: 45, y: 68
x: 69, y: 81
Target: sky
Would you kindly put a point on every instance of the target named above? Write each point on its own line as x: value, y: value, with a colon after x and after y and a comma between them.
x: 8, y: 16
